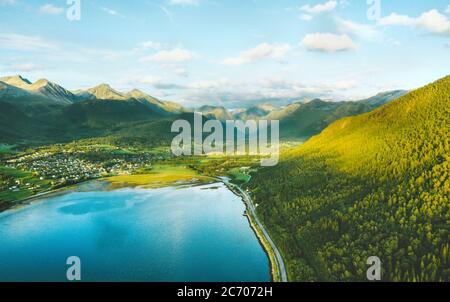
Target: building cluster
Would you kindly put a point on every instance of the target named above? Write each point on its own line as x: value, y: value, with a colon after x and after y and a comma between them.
x: 63, y: 167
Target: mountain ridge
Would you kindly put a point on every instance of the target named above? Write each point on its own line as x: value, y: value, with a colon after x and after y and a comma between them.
x: 41, y: 87
x: 93, y: 109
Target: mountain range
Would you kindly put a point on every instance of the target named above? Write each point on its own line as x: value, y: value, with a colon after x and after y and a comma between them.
x: 45, y: 112
x: 303, y: 119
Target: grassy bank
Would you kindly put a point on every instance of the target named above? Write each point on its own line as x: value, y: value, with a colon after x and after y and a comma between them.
x: 274, y: 271
x: 159, y: 176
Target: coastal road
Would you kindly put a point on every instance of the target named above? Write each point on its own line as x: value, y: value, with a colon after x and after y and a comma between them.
x: 251, y: 207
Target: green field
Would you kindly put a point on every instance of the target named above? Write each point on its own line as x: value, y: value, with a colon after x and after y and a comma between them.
x: 239, y: 176
x: 159, y: 176
x: 23, y: 190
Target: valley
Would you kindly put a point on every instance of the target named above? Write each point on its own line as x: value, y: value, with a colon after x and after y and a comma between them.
x: 355, y: 178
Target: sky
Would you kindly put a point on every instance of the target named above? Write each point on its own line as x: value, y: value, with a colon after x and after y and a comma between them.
x: 229, y: 52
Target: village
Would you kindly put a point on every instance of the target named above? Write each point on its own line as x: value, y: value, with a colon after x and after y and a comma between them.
x: 59, y: 168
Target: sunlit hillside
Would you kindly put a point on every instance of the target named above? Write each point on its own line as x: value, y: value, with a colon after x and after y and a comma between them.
x: 373, y: 185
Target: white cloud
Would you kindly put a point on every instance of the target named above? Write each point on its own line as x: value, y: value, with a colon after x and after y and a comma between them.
x: 183, y: 2
x: 50, y: 9
x: 395, y: 19
x: 435, y: 22
x: 147, y: 45
x: 363, y: 31
x: 176, y: 55
x: 234, y: 93
x: 272, y: 89
x: 149, y: 80
x: 328, y: 42
x: 306, y: 17
x: 432, y: 21
x: 344, y: 85
x: 22, y: 42
x: 209, y: 84
x: 319, y: 8
x: 448, y: 10
x: 111, y: 12
x: 262, y: 51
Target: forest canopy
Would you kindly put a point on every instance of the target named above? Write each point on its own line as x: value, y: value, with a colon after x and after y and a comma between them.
x: 377, y: 184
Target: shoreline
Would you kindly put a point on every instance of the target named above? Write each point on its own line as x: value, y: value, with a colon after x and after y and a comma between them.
x: 277, y: 268
x: 18, y: 204
x: 273, y: 265
x: 269, y: 248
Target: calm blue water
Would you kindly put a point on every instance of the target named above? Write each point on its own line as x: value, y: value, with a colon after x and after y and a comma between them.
x: 169, y: 234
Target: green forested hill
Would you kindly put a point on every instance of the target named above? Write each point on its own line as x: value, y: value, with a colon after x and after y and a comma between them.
x: 311, y: 118
x: 377, y: 184
x: 84, y: 119
x: 105, y: 113
x: 15, y: 126
x: 306, y: 120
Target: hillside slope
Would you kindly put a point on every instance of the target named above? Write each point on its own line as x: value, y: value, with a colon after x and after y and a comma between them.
x: 311, y: 118
x: 377, y: 184
x: 162, y: 107
x: 300, y: 120
x: 14, y: 125
x: 96, y: 118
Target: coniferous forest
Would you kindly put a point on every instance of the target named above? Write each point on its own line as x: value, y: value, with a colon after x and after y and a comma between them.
x: 377, y: 184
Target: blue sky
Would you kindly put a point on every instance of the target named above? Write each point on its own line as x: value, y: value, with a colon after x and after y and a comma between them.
x: 229, y: 52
